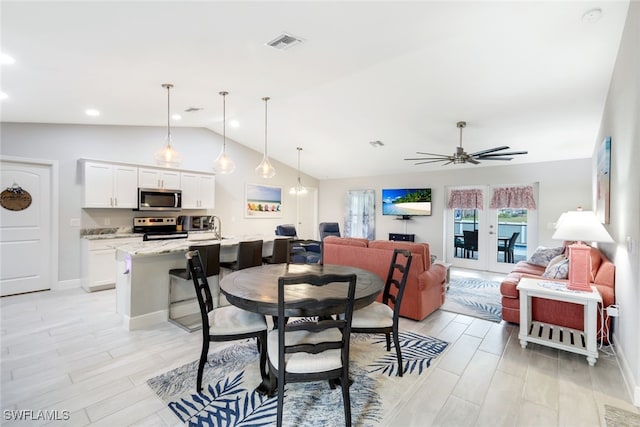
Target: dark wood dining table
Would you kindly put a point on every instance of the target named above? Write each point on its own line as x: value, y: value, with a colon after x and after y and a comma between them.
x: 256, y: 289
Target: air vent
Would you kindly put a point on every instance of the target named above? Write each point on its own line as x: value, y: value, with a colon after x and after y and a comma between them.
x: 284, y: 41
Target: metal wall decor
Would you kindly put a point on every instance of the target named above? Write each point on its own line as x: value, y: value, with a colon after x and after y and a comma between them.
x: 15, y: 198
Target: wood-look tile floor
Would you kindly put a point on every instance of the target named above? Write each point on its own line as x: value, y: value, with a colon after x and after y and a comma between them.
x: 67, y: 351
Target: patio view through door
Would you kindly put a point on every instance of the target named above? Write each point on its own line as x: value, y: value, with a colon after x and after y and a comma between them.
x: 490, y: 227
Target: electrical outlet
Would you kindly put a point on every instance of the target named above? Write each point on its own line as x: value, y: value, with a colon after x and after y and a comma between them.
x: 612, y: 311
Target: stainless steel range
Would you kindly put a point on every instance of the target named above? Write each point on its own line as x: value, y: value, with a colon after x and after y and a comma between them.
x: 158, y: 228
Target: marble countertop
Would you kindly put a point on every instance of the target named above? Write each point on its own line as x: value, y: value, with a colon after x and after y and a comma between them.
x: 160, y: 247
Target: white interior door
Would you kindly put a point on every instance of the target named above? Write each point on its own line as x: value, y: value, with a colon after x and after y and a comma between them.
x: 26, y: 235
x: 307, y: 214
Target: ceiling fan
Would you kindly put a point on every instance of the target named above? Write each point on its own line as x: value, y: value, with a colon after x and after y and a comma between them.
x: 460, y: 156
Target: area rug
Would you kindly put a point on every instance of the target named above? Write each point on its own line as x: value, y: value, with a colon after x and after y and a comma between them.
x: 228, y: 397
x: 474, y: 297
x: 616, y: 417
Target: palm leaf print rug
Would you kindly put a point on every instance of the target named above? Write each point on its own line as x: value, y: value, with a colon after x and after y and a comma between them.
x: 231, y: 375
x: 475, y: 298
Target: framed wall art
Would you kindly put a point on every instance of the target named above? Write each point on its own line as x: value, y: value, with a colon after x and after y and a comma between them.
x: 603, y: 180
x: 263, y: 201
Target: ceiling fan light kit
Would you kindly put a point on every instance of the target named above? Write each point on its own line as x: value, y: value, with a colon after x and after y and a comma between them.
x: 461, y: 156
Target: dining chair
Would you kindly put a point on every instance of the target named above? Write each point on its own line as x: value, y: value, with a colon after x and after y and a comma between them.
x: 508, y: 248
x: 312, y: 348
x: 458, y: 244
x: 249, y: 255
x: 183, y: 307
x: 228, y: 323
x: 470, y: 243
x: 281, y: 249
x: 383, y: 317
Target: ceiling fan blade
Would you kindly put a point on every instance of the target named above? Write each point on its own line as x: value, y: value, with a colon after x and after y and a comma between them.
x: 473, y: 161
x: 427, y: 158
x: 489, y: 150
x: 432, y: 154
x: 448, y: 163
x: 494, y: 158
x: 511, y: 153
x: 433, y: 161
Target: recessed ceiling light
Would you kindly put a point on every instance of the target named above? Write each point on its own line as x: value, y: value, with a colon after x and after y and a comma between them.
x: 91, y: 112
x: 3, y: 95
x: 6, y: 59
x: 234, y: 123
x: 176, y: 117
x: 592, y: 15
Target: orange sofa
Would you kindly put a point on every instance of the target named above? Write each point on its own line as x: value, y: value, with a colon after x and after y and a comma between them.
x: 425, y: 289
x: 556, y: 312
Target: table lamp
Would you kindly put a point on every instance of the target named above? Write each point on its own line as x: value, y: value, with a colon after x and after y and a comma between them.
x: 580, y: 226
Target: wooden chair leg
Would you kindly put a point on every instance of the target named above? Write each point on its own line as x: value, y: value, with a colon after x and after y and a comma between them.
x: 203, y: 360
x: 396, y: 343
x: 346, y: 399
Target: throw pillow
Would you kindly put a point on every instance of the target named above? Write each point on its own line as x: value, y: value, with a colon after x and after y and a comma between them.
x: 558, y: 268
x: 543, y: 255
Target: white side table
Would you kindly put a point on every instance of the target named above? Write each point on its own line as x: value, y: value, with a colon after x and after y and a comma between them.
x: 581, y: 342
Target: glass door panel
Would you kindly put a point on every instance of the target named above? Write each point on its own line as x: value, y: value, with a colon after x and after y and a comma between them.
x: 464, y: 244
x: 511, y: 238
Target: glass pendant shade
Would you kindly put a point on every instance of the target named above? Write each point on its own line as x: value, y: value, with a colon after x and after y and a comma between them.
x: 168, y: 156
x: 299, y: 189
x: 265, y: 169
x: 223, y: 164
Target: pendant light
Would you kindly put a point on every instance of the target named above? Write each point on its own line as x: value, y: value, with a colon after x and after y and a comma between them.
x: 224, y: 164
x: 264, y: 169
x: 168, y: 156
x: 299, y: 189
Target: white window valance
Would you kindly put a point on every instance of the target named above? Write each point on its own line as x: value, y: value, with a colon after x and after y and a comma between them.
x: 465, y: 199
x: 513, y: 197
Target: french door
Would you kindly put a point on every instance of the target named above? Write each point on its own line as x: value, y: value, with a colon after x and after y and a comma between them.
x: 481, y: 234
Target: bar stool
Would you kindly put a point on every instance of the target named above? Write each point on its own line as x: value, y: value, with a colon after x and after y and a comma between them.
x: 249, y: 255
x: 184, y: 310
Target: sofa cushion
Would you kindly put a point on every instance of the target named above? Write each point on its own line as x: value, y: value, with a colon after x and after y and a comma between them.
x: 346, y: 241
x: 525, y: 267
x: 542, y: 256
x: 417, y: 249
x: 558, y: 268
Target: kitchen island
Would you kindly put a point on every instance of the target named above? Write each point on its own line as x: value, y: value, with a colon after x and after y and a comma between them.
x: 142, y: 274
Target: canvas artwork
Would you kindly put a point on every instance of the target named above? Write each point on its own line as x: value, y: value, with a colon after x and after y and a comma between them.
x: 263, y: 201
x: 603, y: 178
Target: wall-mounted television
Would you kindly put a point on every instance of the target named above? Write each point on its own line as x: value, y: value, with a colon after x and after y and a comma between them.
x: 406, y: 202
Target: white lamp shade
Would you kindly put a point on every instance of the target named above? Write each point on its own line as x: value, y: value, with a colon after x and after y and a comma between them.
x: 581, y: 226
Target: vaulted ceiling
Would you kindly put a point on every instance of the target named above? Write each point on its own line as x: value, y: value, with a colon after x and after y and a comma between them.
x: 530, y: 75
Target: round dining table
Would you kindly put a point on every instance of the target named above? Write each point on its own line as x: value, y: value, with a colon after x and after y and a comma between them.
x: 256, y: 289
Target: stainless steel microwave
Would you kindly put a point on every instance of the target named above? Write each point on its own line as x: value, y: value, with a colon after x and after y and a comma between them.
x: 159, y: 199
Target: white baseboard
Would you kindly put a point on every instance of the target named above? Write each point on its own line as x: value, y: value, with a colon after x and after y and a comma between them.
x: 627, y: 374
x: 66, y: 284
x: 144, y: 321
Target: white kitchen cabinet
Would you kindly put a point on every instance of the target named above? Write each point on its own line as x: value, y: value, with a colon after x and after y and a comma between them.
x: 109, y: 185
x: 99, y: 262
x: 198, y: 190
x: 158, y: 178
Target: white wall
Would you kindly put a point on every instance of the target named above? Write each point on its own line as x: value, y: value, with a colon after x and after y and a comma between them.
x: 621, y: 121
x: 137, y: 144
x: 563, y: 186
